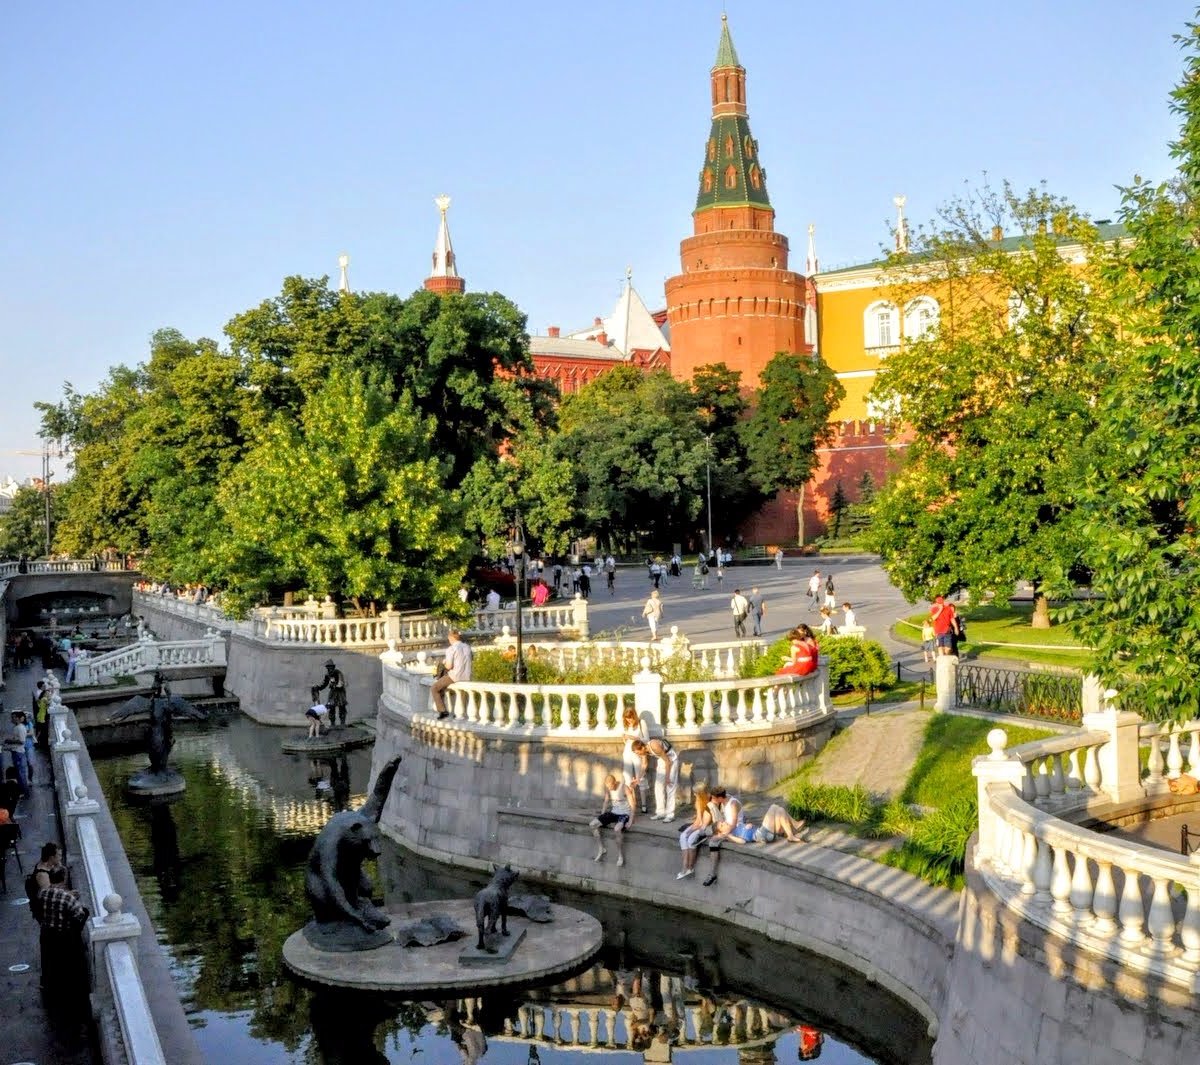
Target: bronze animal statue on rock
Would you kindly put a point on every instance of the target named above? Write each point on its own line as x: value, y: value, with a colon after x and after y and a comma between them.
x: 344, y: 917
x: 491, y: 905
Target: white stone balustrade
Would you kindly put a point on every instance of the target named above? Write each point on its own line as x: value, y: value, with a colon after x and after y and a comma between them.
x: 147, y: 655
x: 570, y: 618
x: 61, y: 565
x: 1136, y: 904
x: 593, y: 711
x: 337, y: 632
x: 1174, y: 749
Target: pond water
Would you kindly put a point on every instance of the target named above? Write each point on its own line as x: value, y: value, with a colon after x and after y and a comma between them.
x: 221, y: 870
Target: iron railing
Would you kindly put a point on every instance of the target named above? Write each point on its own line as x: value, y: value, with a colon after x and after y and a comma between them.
x: 1053, y: 696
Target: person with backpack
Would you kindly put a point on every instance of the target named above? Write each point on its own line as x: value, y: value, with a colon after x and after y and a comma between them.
x: 830, y: 595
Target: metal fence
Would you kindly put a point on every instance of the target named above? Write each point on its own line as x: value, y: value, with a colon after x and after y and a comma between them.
x: 1052, y: 696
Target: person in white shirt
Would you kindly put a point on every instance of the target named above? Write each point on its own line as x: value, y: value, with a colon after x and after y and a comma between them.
x: 493, y: 600
x: 457, y: 668
x: 849, y: 619
x: 652, y: 612
x: 814, y: 589
x: 740, y: 606
x: 779, y: 558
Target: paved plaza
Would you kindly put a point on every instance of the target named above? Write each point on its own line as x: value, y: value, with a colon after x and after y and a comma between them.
x: 704, y: 615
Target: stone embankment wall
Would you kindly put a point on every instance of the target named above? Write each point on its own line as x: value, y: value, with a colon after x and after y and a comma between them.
x: 272, y: 681
x: 1017, y: 995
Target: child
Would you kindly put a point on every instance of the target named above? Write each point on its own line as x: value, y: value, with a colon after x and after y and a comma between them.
x: 927, y: 637
x: 318, y: 715
x: 827, y: 625
x: 849, y: 620
x: 617, y: 813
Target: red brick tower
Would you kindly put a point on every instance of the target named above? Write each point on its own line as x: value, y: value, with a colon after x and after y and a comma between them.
x: 735, y: 301
x: 444, y: 276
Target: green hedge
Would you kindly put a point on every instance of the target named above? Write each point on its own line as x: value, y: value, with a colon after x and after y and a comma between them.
x: 854, y: 665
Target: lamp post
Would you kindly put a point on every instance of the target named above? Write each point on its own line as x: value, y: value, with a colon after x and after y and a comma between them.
x: 518, y: 550
x: 708, y: 485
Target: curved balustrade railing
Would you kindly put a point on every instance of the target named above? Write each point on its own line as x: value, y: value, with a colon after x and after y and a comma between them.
x: 593, y: 711
x: 304, y: 625
x: 721, y: 658
x: 1136, y: 904
x: 1181, y: 753
x: 146, y: 655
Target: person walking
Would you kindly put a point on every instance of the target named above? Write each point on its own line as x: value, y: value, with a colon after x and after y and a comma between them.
x: 457, y: 664
x: 830, y: 594
x: 585, y: 581
x: 943, y: 615
x: 700, y: 574
x: 814, y: 589
x: 779, y: 558
x: 15, y: 745
x: 758, y: 609
x: 652, y: 612
x: 740, y: 606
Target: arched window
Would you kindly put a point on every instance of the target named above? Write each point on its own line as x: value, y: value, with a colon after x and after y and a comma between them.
x: 712, y: 149
x: 881, y: 325
x: 921, y: 317
x: 748, y: 146
x: 755, y: 177
x: 731, y: 177
x: 708, y: 179
x: 729, y: 144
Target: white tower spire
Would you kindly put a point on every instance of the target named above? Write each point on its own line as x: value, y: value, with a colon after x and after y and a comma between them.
x: 443, y: 251
x: 344, y: 267
x: 812, y: 265
x: 901, y: 224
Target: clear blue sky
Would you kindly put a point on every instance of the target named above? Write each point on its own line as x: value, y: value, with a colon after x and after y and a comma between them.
x: 168, y: 163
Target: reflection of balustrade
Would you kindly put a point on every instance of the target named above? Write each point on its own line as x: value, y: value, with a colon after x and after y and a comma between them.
x: 1135, y: 904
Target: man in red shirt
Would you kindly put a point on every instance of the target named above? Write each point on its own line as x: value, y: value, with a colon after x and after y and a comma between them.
x: 942, y: 614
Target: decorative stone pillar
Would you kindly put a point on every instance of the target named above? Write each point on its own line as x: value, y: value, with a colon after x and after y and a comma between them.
x: 1093, y: 695
x: 647, y: 693
x: 1120, y: 771
x: 945, y: 673
x: 995, y: 768
x: 391, y: 622
x: 579, y: 617
x: 328, y: 609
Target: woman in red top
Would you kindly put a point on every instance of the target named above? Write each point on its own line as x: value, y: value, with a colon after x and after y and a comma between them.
x: 803, y: 657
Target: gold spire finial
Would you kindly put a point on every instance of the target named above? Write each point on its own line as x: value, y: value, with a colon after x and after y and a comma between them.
x: 443, y: 203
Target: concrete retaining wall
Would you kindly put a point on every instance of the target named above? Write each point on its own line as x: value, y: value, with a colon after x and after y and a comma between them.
x: 1019, y: 996
x: 272, y: 681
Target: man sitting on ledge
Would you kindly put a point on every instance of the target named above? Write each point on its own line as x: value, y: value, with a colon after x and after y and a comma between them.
x: 457, y: 667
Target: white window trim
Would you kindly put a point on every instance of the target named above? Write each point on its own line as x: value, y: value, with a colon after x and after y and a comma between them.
x: 872, y: 340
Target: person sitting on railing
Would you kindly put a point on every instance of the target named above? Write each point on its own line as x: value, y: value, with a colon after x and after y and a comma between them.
x: 62, y: 919
x: 541, y: 592
x: 727, y: 817
x: 616, y: 813
x: 696, y: 832
x: 454, y: 668
x: 803, y: 653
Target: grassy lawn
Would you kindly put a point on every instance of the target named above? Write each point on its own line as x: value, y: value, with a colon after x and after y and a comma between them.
x: 992, y: 625
x: 936, y: 812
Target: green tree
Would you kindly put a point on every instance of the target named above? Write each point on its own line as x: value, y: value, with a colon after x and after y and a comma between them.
x: 23, y: 525
x: 722, y: 408
x: 350, y: 500
x: 999, y: 395
x: 1138, y: 481
x: 636, y: 451
x: 838, y: 505
x: 858, y: 513
x: 101, y: 505
x: 790, y: 420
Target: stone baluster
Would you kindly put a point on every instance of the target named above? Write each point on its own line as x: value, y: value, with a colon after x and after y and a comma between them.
x: 693, y: 714
x: 1042, y: 871
x: 1057, y: 779
x: 610, y: 1027
x: 1060, y: 880
x: 1189, y: 927
x: 1174, y: 755
x: 1041, y: 782
x: 1028, y: 785
x: 1194, y: 752
x: 1130, y: 912
x: 1160, y: 921
x: 1081, y: 887
x: 1104, y: 899
x: 1029, y: 854
x: 1091, y: 769
x: 1155, y: 764
x: 539, y: 1022
x: 573, y: 1025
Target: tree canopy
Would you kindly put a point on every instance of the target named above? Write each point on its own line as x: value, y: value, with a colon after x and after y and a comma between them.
x: 999, y: 395
x: 23, y: 525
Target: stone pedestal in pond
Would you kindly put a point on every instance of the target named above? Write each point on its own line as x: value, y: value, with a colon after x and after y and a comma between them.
x: 336, y: 741
x: 535, y: 950
x: 148, y: 784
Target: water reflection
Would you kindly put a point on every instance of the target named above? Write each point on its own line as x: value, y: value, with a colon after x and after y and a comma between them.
x: 222, y: 873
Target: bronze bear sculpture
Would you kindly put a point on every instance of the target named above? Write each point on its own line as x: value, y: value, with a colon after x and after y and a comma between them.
x: 344, y: 917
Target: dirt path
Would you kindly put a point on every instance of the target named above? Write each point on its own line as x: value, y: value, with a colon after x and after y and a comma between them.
x: 877, y: 752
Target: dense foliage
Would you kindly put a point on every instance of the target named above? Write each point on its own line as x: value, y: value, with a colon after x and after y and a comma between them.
x: 23, y: 525
x: 999, y: 396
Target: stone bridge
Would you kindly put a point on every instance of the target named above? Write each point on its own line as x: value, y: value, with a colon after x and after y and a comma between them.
x: 28, y: 588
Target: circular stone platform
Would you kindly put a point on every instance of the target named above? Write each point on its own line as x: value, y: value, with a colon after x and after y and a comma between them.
x: 335, y: 742
x: 148, y: 785
x: 568, y: 940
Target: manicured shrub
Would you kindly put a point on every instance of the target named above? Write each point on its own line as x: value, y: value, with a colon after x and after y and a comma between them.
x: 855, y: 665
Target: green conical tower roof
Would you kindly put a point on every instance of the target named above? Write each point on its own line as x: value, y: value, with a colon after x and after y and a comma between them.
x: 726, y: 53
